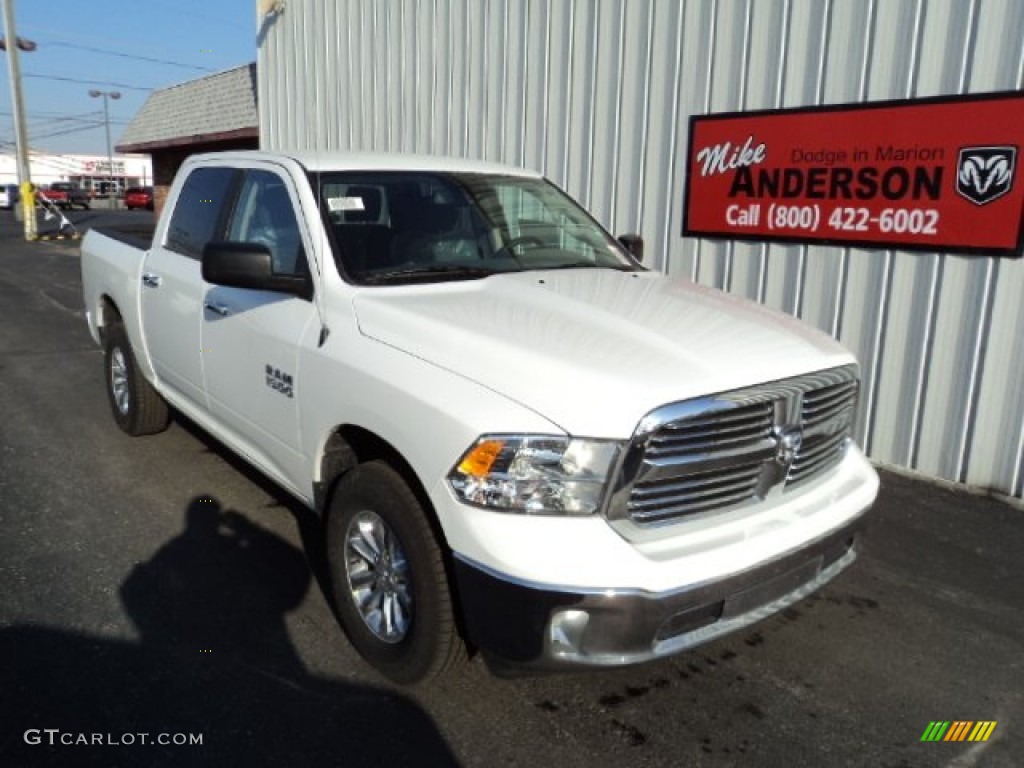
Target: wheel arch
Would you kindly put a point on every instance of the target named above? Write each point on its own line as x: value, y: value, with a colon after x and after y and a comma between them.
x: 349, y: 445
x: 107, y: 313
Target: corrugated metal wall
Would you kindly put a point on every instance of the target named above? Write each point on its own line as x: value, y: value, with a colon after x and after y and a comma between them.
x: 597, y: 94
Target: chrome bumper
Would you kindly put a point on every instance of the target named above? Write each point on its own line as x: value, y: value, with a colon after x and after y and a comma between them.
x: 534, y: 627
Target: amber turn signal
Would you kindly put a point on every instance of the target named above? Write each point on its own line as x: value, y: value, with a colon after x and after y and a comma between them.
x: 478, y: 462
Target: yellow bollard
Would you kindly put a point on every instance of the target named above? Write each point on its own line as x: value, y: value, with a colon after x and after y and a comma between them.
x: 28, y: 203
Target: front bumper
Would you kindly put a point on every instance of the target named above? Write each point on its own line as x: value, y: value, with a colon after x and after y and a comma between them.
x: 533, y: 626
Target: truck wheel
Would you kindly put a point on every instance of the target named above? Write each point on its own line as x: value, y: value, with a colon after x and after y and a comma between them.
x: 388, y: 579
x: 137, y: 408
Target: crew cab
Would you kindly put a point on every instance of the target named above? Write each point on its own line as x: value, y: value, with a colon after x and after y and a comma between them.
x: 66, y: 195
x: 522, y: 442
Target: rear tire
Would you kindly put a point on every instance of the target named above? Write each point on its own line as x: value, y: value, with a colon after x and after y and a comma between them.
x: 388, y: 579
x: 136, y: 406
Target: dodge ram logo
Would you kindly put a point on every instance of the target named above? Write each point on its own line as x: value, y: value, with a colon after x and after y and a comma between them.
x: 789, y: 440
x: 984, y: 174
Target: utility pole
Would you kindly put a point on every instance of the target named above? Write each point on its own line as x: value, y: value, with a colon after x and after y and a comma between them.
x: 20, y: 132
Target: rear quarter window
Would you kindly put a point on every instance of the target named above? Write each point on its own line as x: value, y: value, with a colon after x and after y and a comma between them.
x: 201, y: 210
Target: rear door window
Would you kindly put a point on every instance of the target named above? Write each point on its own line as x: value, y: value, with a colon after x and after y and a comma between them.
x: 201, y: 209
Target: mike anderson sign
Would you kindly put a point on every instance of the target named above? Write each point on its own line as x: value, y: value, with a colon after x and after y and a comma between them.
x: 934, y: 174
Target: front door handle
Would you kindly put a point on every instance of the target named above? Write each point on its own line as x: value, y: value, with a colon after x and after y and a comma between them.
x: 220, y: 309
x: 150, y: 280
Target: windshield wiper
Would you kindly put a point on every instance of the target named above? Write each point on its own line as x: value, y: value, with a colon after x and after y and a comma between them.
x: 590, y: 265
x: 428, y: 272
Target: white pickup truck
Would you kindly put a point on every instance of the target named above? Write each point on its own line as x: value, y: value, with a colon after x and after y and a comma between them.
x: 522, y: 442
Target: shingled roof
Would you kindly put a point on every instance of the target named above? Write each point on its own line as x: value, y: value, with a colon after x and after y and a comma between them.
x: 213, y: 108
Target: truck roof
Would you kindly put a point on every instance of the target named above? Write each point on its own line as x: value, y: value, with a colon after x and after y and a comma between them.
x: 313, y: 160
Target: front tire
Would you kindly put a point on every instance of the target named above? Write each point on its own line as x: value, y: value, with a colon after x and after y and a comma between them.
x: 388, y: 579
x: 136, y: 406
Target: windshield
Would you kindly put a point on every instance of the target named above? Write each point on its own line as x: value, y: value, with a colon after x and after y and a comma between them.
x: 392, y: 227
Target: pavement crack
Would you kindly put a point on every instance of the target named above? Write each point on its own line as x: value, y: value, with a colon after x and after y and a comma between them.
x: 30, y: 352
x: 74, y: 312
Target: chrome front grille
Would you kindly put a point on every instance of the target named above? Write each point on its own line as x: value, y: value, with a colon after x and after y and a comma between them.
x: 658, y: 500
x: 734, y: 449
x: 826, y: 415
x: 815, y: 456
x: 819, y: 406
x: 736, y: 430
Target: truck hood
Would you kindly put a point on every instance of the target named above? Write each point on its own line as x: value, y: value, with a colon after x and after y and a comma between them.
x: 594, y: 350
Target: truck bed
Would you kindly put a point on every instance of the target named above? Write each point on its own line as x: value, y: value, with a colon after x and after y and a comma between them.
x: 137, y: 235
x: 111, y: 270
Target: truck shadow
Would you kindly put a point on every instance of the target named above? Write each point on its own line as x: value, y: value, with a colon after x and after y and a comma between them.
x: 309, y: 523
x: 214, y: 659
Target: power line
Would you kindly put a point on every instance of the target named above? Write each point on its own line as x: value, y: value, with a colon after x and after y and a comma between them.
x: 90, y: 116
x: 132, y: 56
x: 84, y: 123
x: 53, y: 122
x: 42, y: 124
x: 38, y: 117
x: 52, y: 35
x: 65, y: 131
x: 47, y: 130
x: 48, y: 113
x: 89, y: 82
x: 43, y: 115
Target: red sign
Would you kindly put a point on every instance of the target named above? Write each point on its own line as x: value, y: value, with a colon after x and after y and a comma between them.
x: 930, y: 174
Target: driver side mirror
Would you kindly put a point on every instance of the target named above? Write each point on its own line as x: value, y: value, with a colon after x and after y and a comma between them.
x: 635, y: 245
x: 249, y: 265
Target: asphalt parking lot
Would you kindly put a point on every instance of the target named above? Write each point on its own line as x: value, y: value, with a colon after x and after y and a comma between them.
x: 159, y: 586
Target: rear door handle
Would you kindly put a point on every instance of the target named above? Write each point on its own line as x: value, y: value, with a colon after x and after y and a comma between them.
x: 220, y: 309
x: 151, y: 280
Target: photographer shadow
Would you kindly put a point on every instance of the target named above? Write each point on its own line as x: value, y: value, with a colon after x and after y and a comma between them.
x: 214, y: 658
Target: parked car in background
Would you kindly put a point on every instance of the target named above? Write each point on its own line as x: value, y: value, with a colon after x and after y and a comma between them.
x: 9, y: 196
x: 66, y: 195
x: 138, y: 197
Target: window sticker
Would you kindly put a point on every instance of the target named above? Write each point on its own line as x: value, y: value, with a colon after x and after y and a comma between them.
x: 335, y: 204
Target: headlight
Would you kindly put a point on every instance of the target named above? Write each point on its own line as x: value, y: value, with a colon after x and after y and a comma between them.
x: 534, y: 474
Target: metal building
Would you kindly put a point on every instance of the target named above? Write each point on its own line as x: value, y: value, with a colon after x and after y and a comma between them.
x: 598, y: 93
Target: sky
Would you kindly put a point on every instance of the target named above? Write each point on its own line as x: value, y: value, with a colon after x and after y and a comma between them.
x: 129, y: 46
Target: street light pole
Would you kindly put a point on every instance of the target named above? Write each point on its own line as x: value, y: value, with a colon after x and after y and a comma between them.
x: 106, y: 124
x: 12, y: 43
